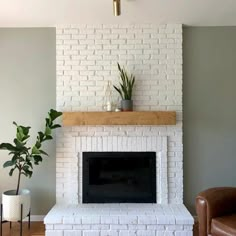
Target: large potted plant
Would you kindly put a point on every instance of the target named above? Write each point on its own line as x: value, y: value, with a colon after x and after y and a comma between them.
x: 125, y: 89
x: 22, y: 159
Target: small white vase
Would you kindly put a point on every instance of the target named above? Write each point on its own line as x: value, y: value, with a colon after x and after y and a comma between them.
x: 12, y: 204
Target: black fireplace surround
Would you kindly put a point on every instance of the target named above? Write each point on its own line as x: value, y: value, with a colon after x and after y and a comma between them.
x: 119, y: 177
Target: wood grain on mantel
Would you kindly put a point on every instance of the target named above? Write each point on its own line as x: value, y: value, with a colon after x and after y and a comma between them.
x: 120, y: 118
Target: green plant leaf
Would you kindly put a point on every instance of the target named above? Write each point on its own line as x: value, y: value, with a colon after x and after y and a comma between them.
x: 8, y: 163
x: 21, y: 159
x: 26, y: 171
x: 18, y: 143
x: 48, y: 121
x: 38, y: 144
x: 30, y: 164
x: 53, y: 114
x: 11, y: 171
x: 41, y: 136
x: 35, y: 150
x: 29, y: 158
x: 119, y: 68
x: 22, y: 132
x: 25, y: 130
x: 25, y: 167
x: 48, y: 131
x: 43, y: 152
x: 19, y: 134
x: 15, y: 158
x: 48, y: 137
x: 30, y: 173
x: 118, y: 90
x: 55, y: 126
x: 8, y: 146
x: 25, y: 137
x: 37, y: 159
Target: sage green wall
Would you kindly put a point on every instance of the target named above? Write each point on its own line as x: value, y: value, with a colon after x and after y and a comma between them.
x: 27, y: 92
x: 209, y: 109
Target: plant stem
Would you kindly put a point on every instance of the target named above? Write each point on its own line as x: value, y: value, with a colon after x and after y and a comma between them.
x: 18, y: 182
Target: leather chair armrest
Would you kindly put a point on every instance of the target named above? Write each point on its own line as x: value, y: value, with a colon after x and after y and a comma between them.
x: 213, y: 203
x: 201, y: 208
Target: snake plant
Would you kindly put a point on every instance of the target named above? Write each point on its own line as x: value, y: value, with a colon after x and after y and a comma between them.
x: 126, y: 84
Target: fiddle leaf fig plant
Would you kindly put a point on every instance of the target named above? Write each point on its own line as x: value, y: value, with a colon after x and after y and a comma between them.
x: 23, y: 157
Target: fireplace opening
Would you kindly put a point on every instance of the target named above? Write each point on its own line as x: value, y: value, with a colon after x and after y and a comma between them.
x: 119, y: 177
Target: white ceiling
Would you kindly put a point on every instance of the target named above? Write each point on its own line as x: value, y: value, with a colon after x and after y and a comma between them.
x: 29, y: 13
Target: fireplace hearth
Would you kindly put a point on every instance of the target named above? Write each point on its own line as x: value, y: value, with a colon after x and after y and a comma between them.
x: 119, y: 177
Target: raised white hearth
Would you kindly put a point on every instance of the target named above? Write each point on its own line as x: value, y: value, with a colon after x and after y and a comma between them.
x: 86, y: 60
x: 119, y: 220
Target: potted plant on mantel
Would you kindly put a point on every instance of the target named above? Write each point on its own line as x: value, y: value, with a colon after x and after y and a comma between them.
x: 23, y: 158
x: 126, y: 89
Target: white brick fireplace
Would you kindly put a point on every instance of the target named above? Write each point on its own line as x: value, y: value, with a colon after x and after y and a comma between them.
x: 87, y: 57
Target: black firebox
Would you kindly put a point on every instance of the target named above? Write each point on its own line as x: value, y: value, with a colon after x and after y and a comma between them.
x: 119, y: 177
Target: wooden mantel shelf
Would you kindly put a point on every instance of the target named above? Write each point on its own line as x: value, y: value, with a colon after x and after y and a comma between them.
x: 120, y: 118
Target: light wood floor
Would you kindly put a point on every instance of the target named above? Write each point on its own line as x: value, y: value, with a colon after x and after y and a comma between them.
x: 38, y: 229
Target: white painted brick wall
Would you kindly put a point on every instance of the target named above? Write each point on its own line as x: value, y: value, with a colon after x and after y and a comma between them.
x: 86, y: 59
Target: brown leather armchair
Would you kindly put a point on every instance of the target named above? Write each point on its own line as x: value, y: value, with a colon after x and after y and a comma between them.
x: 216, y: 210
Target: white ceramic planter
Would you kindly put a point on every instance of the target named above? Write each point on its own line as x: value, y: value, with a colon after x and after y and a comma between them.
x: 12, y: 204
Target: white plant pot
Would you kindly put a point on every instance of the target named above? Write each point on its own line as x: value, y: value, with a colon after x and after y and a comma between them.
x: 12, y: 204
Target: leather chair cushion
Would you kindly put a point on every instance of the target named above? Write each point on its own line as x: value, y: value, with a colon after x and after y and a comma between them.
x: 224, y: 226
